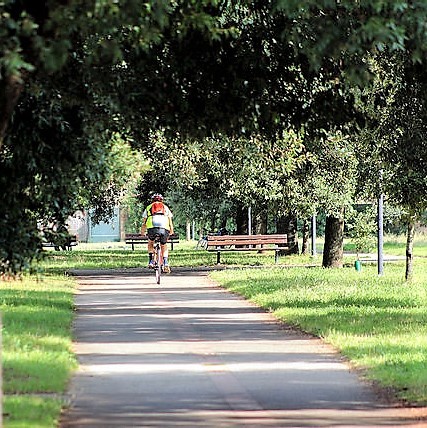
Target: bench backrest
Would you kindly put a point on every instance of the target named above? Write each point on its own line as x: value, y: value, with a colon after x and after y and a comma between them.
x: 246, y: 239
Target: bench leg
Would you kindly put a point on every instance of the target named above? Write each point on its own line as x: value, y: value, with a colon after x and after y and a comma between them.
x: 218, y: 257
x: 276, y: 256
x: 133, y: 247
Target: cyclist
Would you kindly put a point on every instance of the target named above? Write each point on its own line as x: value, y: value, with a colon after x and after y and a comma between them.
x: 157, y: 219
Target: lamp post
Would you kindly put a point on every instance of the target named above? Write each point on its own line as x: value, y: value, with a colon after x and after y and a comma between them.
x: 313, y: 235
x: 380, y: 228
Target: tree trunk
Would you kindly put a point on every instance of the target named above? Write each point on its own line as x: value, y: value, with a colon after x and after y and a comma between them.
x: 334, y: 240
x: 305, y: 237
x: 292, y: 232
x: 242, y: 220
x: 123, y: 215
x: 409, y: 250
x: 281, y: 224
x: 260, y: 226
x: 261, y: 222
x: 288, y: 224
x: 281, y: 227
x: 10, y: 90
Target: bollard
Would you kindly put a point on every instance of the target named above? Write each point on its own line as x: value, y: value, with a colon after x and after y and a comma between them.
x: 358, y: 265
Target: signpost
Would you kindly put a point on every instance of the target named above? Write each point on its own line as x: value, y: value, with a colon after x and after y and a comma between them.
x: 313, y: 235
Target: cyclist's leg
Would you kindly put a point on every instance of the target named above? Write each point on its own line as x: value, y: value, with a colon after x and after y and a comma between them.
x: 165, y: 250
x: 150, y: 247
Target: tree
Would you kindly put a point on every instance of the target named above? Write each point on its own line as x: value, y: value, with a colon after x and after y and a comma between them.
x: 395, y: 138
x: 62, y: 162
x: 405, y: 151
x: 61, y: 118
x: 196, y: 68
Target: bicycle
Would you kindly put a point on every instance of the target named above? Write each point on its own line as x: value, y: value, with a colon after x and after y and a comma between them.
x: 202, y: 243
x: 157, y: 257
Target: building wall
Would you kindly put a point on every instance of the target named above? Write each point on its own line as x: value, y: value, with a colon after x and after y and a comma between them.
x: 81, y: 225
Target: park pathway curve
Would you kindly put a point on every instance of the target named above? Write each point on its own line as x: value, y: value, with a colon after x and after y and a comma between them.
x: 189, y: 354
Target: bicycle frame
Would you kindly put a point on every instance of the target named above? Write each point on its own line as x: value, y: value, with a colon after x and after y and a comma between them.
x: 158, y: 260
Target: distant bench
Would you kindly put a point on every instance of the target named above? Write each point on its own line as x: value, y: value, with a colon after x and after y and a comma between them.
x: 136, y: 239
x: 221, y: 243
x: 67, y: 244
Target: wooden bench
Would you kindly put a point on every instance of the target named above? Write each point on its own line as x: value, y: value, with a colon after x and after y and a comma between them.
x: 220, y: 243
x: 68, y: 244
x: 136, y: 239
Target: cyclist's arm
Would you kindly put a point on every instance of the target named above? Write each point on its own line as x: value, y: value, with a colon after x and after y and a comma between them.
x: 170, y: 224
x: 143, y: 229
x: 144, y: 223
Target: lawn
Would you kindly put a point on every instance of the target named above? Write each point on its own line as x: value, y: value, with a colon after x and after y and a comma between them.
x: 37, y: 355
x: 378, y: 323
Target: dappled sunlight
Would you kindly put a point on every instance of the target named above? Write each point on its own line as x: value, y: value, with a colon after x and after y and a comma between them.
x: 203, y: 367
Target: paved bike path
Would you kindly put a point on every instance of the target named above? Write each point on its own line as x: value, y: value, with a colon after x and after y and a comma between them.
x: 190, y: 354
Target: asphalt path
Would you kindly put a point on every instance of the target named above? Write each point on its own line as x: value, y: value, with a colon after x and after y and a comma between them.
x: 188, y: 353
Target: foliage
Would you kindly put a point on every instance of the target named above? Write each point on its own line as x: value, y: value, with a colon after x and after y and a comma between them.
x: 134, y: 209
x: 199, y: 75
x: 124, y: 167
x: 66, y: 157
x: 349, y: 30
x: 395, y: 112
x: 362, y: 227
x: 396, y: 117
x: 62, y: 163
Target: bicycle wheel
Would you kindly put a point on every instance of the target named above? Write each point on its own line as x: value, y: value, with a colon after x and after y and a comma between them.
x: 158, y: 269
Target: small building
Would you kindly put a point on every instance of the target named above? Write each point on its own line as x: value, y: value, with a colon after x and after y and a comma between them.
x: 81, y: 225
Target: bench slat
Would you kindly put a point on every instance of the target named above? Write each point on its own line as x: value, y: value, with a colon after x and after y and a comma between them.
x: 136, y: 239
x: 246, y: 240
x: 220, y: 243
x: 246, y: 237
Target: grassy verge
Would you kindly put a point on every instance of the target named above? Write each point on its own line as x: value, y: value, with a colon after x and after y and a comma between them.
x: 37, y: 357
x: 379, y: 323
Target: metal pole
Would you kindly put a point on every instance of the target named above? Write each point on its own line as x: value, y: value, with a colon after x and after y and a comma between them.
x: 380, y: 229
x: 1, y: 373
x: 313, y: 235
x: 250, y: 221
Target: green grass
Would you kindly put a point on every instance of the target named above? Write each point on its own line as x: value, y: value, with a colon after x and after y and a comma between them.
x: 379, y: 323
x: 37, y: 356
x: 183, y: 255
x: 31, y: 412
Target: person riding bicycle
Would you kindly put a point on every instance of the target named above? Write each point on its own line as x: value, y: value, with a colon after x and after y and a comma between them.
x: 157, y: 219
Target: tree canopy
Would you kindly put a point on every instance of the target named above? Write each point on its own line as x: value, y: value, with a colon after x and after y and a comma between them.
x: 220, y: 87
